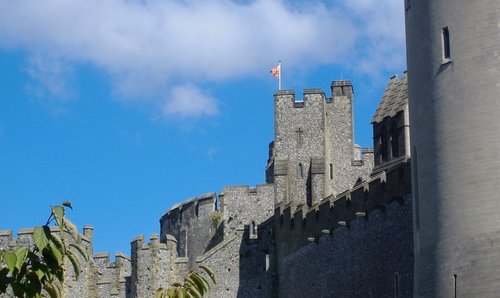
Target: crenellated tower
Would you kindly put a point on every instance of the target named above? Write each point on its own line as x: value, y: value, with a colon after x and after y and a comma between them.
x: 453, y: 52
x: 314, y: 155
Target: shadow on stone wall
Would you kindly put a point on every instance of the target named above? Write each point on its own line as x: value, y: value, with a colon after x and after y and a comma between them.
x: 258, y: 262
x: 217, y: 238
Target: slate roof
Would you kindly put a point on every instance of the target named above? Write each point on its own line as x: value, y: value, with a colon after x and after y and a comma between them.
x: 394, y: 100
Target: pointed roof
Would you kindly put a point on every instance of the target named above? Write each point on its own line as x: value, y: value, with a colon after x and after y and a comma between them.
x: 394, y: 100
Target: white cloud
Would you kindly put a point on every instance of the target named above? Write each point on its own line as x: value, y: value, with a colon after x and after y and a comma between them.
x: 146, y: 45
x: 381, y: 45
x: 49, y: 76
x: 187, y: 101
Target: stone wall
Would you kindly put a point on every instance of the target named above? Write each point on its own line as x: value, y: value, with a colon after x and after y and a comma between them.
x: 367, y: 222
x: 345, y: 162
x: 191, y: 223
x: 321, y: 226
x: 370, y: 257
x: 313, y: 153
x: 72, y: 287
x: 299, y: 136
x: 111, y: 278
x: 153, y: 266
x: 234, y: 239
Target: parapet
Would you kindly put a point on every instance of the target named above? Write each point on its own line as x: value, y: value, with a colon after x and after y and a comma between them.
x: 104, y: 264
x: 202, y: 205
x: 246, y: 190
x: 287, y: 97
x: 243, y: 199
x: 342, y: 88
x: 151, y: 265
x: 24, y: 237
x: 302, y: 223
x: 138, y: 243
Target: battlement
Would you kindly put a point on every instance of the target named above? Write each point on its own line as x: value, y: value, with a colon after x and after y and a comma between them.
x: 24, y: 237
x: 103, y: 258
x: 154, y: 242
x: 288, y: 99
x: 338, y: 88
x: 151, y: 264
x: 303, y: 223
x: 201, y: 206
x: 244, y: 205
x: 246, y: 189
x: 342, y: 88
x: 112, y: 275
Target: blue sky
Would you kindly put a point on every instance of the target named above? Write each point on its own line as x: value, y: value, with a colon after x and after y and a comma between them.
x: 128, y: 107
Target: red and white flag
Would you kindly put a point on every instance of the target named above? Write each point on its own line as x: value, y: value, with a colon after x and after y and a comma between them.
x: 276, y: 72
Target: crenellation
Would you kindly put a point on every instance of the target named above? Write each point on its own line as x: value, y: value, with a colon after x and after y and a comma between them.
x: 342, y: 88
x: 24, y: 237
x: 6, y: 239
x: 320, y: 198
x: 88, y: 232
x: 365, y: 255
x: 111, y: 277
x: 152, y: 266
x: 189, y: 209
x: 338, y: 220
x: 331, y: 213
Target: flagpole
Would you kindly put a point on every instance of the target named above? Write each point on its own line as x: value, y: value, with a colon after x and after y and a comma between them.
x: 279, y: 75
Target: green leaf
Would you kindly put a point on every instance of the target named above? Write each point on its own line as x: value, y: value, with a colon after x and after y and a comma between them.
x: 75, y: 262
x: 53, y: 290
x: 159, y: 293
x: 58, y: 243
x: 41, y: 236
x: 33, y: 285
x: 54, y: 269
x: 81, y: 250
x: 193, y: 290
x: 71, y: 228
x: 210, y: 273
x: 181, y: 292
x: 67, y: 204
x: 56, y: 253
x: 172, y: 292
x: 58, y: 212
x: 10, y: 260
x: 18, y: 289
x: 21, y: 254
x: 3, y: 279
x: 202, y: 284
x: 40, y: 271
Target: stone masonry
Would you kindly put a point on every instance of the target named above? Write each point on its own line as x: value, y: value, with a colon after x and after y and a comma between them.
x: 322, y: 214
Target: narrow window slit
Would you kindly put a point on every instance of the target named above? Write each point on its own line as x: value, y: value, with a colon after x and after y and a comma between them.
x: 446, y: 44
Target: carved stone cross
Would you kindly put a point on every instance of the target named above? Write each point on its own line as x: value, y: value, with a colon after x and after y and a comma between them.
x: 299, y: 132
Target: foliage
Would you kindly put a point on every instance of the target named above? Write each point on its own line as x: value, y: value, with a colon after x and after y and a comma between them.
x: 194, y: 286
x: 39, y: 270
x: 216, y: 218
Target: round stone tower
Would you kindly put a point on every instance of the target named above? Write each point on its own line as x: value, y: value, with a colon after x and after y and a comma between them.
x: 453, y: 50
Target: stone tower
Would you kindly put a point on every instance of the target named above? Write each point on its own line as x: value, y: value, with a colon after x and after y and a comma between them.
x: 453, y: 52
x: 313, y: 154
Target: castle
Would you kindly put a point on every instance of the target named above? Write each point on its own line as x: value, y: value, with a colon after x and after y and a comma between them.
x: 417, y: 215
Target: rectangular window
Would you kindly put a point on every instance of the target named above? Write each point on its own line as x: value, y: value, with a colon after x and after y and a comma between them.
x: 396, y: 285
x: 446, y: 44
x: 331, y: 171
x: 454, y: 286
x: 267, y: 262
